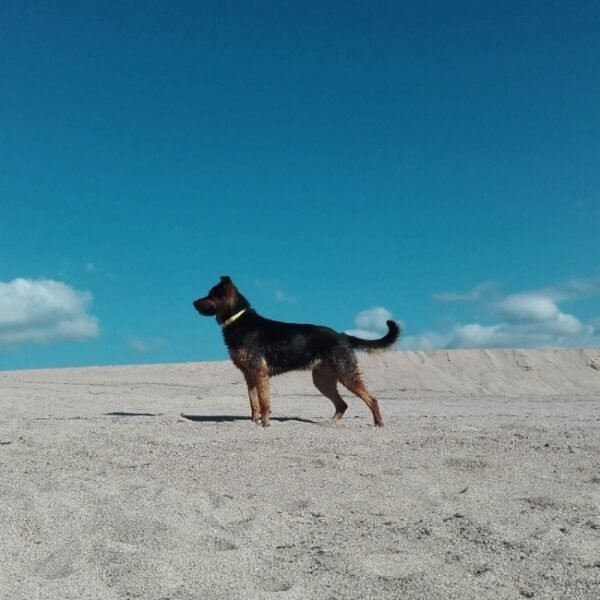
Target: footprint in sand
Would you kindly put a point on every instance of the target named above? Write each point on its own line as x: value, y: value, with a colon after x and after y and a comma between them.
x: 395, y: 564
x: 219, y: 544
x: 274, y: 586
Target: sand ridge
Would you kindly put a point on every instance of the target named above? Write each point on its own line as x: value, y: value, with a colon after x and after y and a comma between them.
x: 151, y: 482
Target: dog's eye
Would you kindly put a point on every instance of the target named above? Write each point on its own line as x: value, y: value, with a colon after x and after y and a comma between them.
x: 217, y: 292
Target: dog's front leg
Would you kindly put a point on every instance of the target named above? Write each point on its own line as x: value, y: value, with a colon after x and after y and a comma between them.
x: 253, y: 397
x: 262, y: 387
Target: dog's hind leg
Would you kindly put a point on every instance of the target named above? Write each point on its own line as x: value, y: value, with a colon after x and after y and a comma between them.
x: 325, y: 380
x: 345, y: 366
x: 253, y: 397
x: 356, y: 386
x: 350, y: 377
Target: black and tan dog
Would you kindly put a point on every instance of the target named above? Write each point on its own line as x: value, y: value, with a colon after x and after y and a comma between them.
x: 261, y: 348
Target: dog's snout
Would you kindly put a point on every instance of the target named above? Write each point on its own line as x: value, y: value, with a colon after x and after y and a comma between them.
x: 204, y: 307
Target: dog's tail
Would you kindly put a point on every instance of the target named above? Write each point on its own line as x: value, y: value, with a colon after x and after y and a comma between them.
x: 394, y: 331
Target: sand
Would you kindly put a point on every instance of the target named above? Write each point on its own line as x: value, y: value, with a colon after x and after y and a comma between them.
x: 151, y: 482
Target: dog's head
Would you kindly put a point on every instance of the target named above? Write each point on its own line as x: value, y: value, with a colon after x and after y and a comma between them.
x: 222, y: 301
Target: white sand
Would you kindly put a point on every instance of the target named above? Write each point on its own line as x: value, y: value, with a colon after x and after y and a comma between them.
x: 484, y: 482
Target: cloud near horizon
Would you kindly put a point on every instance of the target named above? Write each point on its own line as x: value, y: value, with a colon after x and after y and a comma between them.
x: 144, y: 347
x: 284, y: 297
x: 471, y: 296
x: 371, y: 324
x: 528, y: 319
x: 43, y: 312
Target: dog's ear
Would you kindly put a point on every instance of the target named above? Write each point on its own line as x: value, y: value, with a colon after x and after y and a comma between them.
x: 225, y: 279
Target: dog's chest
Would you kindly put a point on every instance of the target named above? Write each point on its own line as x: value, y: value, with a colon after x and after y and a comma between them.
x: 247, y: 359
x: 245, y: 348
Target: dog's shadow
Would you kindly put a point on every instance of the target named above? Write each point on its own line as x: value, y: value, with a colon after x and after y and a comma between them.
x: 120, y: 413
x: 234, y: 418
x: 207, y: 418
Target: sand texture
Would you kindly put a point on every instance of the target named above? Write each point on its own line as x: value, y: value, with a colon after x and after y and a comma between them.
x: 151, y: 482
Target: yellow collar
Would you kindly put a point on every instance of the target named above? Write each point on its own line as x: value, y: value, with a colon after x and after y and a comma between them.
x: 233, y: 318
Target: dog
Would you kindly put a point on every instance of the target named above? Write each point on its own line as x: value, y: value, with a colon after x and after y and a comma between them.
x: 262, y: 348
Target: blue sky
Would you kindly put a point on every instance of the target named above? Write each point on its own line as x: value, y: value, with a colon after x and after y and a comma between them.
x: 341, y: 161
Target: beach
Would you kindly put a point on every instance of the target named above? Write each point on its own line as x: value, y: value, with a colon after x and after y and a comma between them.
x: 152, y: 482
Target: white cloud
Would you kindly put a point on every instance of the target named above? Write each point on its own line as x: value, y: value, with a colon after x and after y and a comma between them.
x: 471, y: 296
x: 43, y: 312
x: 474, y: 335
x: 146, y: 347
x: 282, y: 296
x: 528, y: 319
x: 371, y: 323
x: 528, y: 307
x: 428, y: 340
x: 574, y: 289
x: 535, y: 313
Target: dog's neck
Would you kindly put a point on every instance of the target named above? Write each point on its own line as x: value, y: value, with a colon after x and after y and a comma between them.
x: 233, y: 318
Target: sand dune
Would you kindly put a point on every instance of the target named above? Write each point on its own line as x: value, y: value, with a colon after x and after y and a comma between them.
x: 151, y: 482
